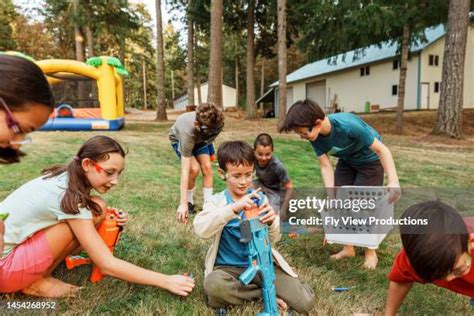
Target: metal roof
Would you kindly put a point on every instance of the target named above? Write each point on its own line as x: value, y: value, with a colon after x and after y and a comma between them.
x: 371, y: 54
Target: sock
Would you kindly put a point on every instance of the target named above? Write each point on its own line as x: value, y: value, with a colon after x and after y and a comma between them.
x: 207, y: 193
x: 190, y: 195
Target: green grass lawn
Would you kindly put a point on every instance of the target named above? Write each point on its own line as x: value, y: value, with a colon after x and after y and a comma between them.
x: 148, y: 190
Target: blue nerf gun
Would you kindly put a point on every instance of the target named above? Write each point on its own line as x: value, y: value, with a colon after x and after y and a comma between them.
x: 255, y: 235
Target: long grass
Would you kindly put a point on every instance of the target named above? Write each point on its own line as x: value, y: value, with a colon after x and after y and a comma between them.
x: 148, y: 190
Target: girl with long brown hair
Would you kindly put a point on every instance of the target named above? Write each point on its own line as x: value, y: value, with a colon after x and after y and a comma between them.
x: 55, y: 214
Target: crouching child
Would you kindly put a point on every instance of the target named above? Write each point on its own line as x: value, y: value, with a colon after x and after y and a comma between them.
x: 228, y: 258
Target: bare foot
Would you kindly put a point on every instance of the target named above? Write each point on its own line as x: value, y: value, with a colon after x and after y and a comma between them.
x: 371, y: 260
x: 346, y: 252
x: 282, y: 304
x: 50, y: 287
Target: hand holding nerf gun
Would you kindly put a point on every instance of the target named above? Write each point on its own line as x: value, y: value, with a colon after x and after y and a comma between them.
x: 249, y: 203
x: 109, y: 230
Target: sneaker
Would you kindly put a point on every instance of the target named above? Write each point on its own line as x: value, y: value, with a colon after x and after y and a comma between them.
x: 221, y: 311
x: 191, y: 208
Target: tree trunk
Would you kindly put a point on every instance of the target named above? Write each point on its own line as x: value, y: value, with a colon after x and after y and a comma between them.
x: 198, y: 84
x: 145, y: 97
x: 90, y: 41
x: 236, y: 82
x: 160, y: 67
x: 262, y: 83
x: 403, y: 77
x: 451, y: 97
x: 282, y: 60
x: 250, y: 111
x: 79, y: 40
x: 215, y: 57
x: 190, y: 58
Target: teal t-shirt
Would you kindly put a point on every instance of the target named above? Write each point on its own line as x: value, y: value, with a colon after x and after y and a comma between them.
x: 231, y: 251
x: 350, y: 140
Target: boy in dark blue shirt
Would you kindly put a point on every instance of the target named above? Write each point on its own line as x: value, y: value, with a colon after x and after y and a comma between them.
x: 362, y: 156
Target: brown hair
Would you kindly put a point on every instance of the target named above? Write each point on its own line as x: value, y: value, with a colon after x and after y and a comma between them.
x: 303, y: 113
x: 22, y: 85
x: 97, y: 148
x: 210, y: 115
x: 264, y: 140
x: 433, y: 249
x: 236, y: 153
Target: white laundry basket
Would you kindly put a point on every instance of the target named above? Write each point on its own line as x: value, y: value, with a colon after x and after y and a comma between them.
x: 356, y: 232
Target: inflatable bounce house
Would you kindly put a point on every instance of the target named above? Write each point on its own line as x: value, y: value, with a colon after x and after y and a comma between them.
x: 93, y: 97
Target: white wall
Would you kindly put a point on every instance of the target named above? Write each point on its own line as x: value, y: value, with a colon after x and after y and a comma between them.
x: 432, y: 74
x: 353, y: 90
x: 228, y: 97
x: 469, y: 70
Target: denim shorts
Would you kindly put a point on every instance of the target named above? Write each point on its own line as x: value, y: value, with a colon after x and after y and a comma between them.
x: 197, y: 150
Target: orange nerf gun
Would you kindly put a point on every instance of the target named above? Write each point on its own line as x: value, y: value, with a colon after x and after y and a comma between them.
x: 110, y: 233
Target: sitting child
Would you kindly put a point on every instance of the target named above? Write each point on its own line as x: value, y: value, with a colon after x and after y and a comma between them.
x: 431, y: 254
x: 272, y: 176
x: 56, y: 214
x: 226, y: 259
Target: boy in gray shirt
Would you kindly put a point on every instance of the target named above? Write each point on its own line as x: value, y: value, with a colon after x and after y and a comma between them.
x: 191, y: 137
x: 272, y: 175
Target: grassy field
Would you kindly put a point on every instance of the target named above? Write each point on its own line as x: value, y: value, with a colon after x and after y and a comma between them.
x: 148, y: 190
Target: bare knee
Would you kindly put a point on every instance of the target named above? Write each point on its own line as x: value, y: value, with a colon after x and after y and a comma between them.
x: 206, y: 168
x: 193, y: 172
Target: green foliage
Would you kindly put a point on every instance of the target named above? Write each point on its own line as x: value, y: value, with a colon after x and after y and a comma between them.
x: 7, y: 15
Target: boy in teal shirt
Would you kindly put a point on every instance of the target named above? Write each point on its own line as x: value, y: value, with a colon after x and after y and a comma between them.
x: 363, y: 158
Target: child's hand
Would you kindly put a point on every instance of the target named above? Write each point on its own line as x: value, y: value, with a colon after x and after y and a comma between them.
x: 246, y: 201
x: 179, y: 284
x: 394, y: 192
x: 122, y: 218
x: 2, y: 232
x: 183, y: 213
x: 270, y: 215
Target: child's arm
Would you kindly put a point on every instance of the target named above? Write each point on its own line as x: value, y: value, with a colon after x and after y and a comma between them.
x: 396, y: 295
x: 288, y: 193
x: 183, y: 187
x: 327, y: 173
x: 100, y: 254
x: 2, y: 232
x: 388, y: 164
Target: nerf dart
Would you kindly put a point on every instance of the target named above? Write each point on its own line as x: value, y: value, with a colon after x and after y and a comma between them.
x: 4, y: 216
x: 78, y: 260
x: 340, y: 289
x: 255, y: 235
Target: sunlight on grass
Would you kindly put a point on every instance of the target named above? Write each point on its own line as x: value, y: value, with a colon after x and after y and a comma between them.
x: 148, y: 190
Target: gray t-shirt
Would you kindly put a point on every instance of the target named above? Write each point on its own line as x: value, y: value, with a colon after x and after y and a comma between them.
x: 33, y: 207
x: 187, y: 137
x: 274, y: 175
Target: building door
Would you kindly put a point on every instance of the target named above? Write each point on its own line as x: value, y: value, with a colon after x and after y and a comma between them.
x: 317, y: 91
x: 425, y: 96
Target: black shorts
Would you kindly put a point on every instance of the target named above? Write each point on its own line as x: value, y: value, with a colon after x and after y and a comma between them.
x: 370, y: 174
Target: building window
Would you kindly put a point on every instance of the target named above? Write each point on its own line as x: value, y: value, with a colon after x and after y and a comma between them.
x: 396, y: 64
x: 433, y: 60
x: 436, y: 87
x: 394, y: 89
x: 364, y: 71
